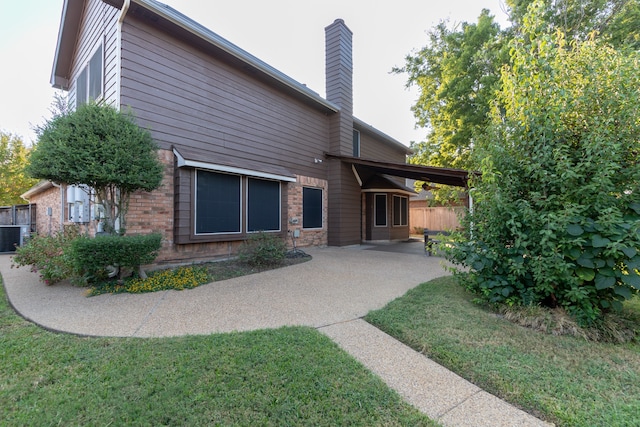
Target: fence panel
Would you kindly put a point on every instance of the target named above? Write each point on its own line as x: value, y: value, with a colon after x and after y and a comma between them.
x: 436, y: 218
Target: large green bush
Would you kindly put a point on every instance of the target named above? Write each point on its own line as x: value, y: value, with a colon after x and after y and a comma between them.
x: 556, y: 218
x: 92, y: 256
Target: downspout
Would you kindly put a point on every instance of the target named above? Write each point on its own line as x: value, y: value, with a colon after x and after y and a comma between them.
x: 123, y: 12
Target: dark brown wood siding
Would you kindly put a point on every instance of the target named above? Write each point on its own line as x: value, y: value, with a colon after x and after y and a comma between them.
x: 375, y: 149
x: 187, y: 98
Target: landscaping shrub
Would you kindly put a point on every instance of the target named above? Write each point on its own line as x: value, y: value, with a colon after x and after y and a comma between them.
x: 556, y: 217
x: 49, y: 255
x: 91, y: 256
x: 263, y: 249
x: 177, y: 279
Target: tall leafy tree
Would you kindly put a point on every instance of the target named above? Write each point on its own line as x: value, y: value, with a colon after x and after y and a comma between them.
x: 457, y: 74
x: 617, y: 21
x: 458, y: 71
x: 13, y: 160
x: 557, y: 213
x: 103, y: 148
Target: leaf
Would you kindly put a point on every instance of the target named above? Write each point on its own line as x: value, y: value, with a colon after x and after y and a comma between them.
x: 632, y: 280
x: 623, y: 291
x: 575, y: 230
x: 599, y: 242
x: 604, y: 282
x: 634, y: 263
x: 635, y: 207
x: 585, y: 274
x: 585, y: 261
x: 629, y: 252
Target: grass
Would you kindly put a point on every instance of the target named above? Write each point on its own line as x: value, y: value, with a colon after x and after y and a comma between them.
x: 284, y: 377
x: 566, y: 380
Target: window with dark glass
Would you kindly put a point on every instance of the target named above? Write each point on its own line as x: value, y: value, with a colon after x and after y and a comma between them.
x: 311, y: 207
x: 400, y: 214
x: 380, y: 210
x: 218, y: 203
x: 356, y: 143
x: 263, y: 205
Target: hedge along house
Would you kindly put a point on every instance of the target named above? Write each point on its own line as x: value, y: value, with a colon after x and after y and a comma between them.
x: 245, y: 147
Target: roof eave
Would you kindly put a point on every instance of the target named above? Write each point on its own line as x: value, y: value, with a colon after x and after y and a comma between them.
x: 69, y: 25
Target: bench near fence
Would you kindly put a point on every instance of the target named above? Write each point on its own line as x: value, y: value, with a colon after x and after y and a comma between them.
x: 433, y: 238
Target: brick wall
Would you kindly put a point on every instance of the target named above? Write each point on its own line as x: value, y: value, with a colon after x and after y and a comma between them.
x: 308, y: 237
x: 47, y: 225
x: 153, y: 212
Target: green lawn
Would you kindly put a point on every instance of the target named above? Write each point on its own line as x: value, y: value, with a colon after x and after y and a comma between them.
x: 562, y: 379
x: 288, y: 376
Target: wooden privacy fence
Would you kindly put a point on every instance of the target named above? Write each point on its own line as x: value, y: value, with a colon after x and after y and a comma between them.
x: 437, y: 218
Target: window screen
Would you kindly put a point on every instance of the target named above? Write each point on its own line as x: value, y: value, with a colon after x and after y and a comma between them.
x: 263, y: 205
x: 311, y: 207
x: 399, y: 210
x: 381, y: 210
x: 95, y: 75
x: 217, y: 203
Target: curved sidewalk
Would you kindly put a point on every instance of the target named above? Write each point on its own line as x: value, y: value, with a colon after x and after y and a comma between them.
x: 331, y: 293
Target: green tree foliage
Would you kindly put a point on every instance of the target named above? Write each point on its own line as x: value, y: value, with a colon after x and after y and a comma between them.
x: 617, y: 21
x: 458, y: 71
x: 13, y: 160
x: 557, y: 213
x: 103, y: 148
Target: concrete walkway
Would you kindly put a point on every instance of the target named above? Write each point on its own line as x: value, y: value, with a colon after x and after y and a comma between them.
x: 332, y: 293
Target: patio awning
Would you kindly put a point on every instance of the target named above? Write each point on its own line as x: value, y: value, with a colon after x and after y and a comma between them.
x: 445, y: 176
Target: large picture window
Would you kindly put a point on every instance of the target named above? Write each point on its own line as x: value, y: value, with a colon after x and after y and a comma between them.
x: 380, y: 210
x: 311, y: 207
x: 400, y: 214
x: 89, y: 82
x: 218, y: 203
x: 263, y: 205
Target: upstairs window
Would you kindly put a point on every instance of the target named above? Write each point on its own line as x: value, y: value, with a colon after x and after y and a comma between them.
x: 356, y: 143
x: 89, y: 82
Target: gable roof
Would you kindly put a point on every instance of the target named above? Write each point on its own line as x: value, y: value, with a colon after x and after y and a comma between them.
x: 169, y: 17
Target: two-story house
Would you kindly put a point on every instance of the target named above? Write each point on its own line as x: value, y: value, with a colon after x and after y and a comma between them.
x: 245, y: 147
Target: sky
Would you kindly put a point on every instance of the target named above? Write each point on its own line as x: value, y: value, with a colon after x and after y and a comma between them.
x: 286, y: 34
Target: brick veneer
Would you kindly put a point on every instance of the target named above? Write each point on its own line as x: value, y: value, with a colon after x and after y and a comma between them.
x: 153, y: 212
x: 308, y: 237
